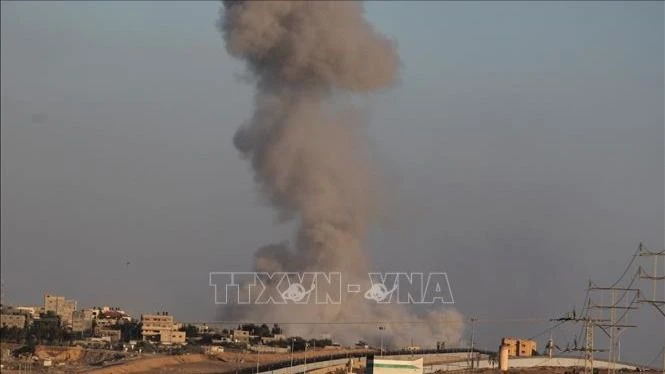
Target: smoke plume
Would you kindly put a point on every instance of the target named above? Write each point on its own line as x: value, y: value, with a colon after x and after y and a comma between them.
x: 309, y: 154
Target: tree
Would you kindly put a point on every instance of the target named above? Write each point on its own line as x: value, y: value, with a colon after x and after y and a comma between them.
x: 298, y: 343
x: 190, y: 330
x: 280, y: 343
x: 276, y: 330
x: 13, y: 334
x: 48, y: 328
x: 248, y: 327
x: 130, y: 331
x: 263, y: 331
x: 320, y: 342
x: 206, y: 339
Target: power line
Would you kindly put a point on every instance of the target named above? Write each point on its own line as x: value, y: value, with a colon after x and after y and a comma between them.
x: 587, y: 301
x: 616, y: 326
x: 630, y: 263
x: 547, y: 330
x: 653, y: 360
x: 373, y: 322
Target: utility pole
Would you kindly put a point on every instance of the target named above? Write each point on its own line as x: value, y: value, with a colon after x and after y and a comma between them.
x: 473, y: 330
x: 292, y: 341
x: 258, y: 358
x: 381, y: 328
x: 655, y: 278
x: 589, y: 324
x: 615, y: 326
x: 304, y: 370
x: 588, y: 347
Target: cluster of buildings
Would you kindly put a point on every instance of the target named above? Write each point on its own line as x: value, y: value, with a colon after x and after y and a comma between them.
x: 243, y: 337
x: 108, y: 324
x: 96, y: 323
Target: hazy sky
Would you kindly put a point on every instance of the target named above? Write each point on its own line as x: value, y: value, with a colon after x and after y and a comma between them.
x: 522, y: 151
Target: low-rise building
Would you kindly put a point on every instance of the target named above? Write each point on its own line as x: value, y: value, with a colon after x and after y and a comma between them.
x: 240, y: 336
x: 82, y: 320
x: 12, y: 320
x: 172, y: 337
x: 110, y: 318
x: 202, y: 328
x: 212, y: 349
x: 267, y: 339
x: 274, y: 338
x: 111, y: 335
x: 511, y: 344
x: 31, y: 312
x: 519, y: 347
x: 526, y: 347
x: 14, y: 316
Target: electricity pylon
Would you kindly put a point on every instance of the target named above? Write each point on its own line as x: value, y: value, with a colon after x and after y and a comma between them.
x: 615, y: 326
x: 655, y: 279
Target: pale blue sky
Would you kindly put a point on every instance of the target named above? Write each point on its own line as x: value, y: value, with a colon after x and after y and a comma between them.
x: 523, y: 149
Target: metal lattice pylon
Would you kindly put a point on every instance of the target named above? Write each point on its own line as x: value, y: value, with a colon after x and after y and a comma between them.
x: 588, y: 346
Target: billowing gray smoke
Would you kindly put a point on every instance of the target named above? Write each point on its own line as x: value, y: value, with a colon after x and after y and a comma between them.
x: 308, y: 151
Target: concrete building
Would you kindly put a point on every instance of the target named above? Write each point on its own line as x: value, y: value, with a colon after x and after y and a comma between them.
x: 202, y: 328
x: 113, y: 336
x: 526, y: 347
x: 161, y: 328
x: 172, y: 337
x: 82, y: 320
x: 212, y: 349
x: 110, y: 312
x: 14, y: 316
x: 519, y: 347
x: 274, y: 338
x: 240, y: 336
x: 511, y: 344
x: 152, y: 325
x: 12, y: 320
x: 61, y: 306
x: 110, y: 318
x: 32, y: 312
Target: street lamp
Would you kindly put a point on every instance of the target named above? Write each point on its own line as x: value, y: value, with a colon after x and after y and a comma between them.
x: 381, y: 328
x: 292, y: 341
x: 304, y: 370
x: 471, y: 352
x: 258, y: 358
